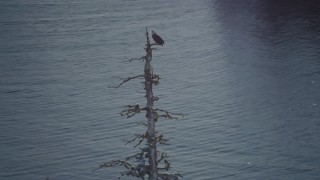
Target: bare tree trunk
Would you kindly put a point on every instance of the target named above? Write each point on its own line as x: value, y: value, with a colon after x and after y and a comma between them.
x: 148, y: 74
x: 157, y: 161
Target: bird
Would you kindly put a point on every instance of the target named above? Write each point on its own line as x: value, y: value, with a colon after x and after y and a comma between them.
x: 157, y: 38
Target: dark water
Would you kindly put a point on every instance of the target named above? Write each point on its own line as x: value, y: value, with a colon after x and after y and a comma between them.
x: 247, y: 74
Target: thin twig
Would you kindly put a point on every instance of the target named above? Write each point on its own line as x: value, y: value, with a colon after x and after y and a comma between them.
x: 161, y: 140
x: 140, y: 136
x: 132, y: 110
x: 139, y: 59
x: 133, y: 156
x: 116, y: 163
x: 163, y: 156
x: 167, y: 112
x: 126, y: 80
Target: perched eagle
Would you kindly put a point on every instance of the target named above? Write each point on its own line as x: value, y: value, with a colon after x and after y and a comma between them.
x: 157, y: 38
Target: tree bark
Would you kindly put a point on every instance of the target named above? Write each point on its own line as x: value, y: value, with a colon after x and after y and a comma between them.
x: 148, y: 74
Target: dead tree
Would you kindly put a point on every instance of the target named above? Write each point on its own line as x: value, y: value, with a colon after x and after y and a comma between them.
x: 147, y: 162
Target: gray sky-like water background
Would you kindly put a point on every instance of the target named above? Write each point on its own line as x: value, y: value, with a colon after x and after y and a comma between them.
x: 245, y: 73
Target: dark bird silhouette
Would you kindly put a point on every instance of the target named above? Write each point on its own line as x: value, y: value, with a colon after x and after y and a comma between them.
x: 157, y: 38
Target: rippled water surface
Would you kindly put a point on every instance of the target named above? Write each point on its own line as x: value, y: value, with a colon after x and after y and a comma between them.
x: 246, y: 74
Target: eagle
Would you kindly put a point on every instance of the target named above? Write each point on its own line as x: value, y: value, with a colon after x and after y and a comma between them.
x: 157, y: 38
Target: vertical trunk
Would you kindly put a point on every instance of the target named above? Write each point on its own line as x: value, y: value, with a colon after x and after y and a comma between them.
x: 151, y: 122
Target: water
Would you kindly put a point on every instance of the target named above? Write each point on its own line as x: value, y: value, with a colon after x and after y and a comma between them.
x: 247, y: 75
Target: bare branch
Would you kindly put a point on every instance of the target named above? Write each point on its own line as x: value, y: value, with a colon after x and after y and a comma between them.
x: 132, y: 140
x: 126, y: 80
x: 161, y: 140
x: 137, y: 171
x: 155, y: 98
x: 134, y: 156
x: 166, y: 164
x: 155, y: 44
x: 116, y: 163
x: 155, y: 76
x: 144, y: 137
x: 167, y: 112
x: 139, y: 59
x: 155, y: 79
x: 138, y: 136
x: 163, y: 156
x: 167, y: 176
x: 132, y: 110
x: 142, y: 123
